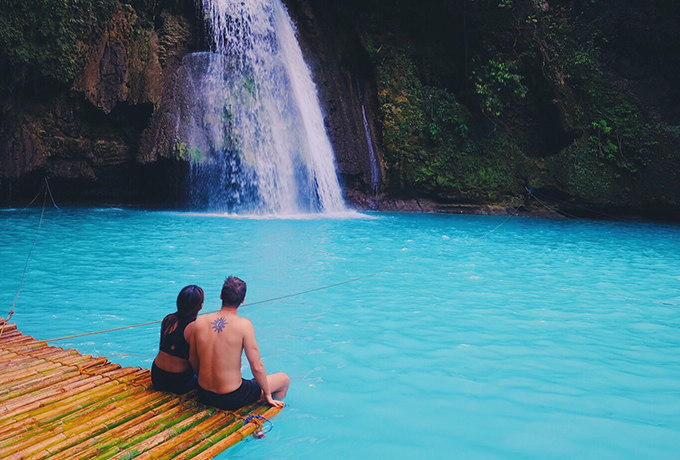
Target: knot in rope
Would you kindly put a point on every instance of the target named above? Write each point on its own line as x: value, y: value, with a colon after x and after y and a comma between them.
x: 264, y: 426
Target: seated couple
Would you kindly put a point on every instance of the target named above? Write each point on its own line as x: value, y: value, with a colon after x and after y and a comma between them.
x: 211, y: 347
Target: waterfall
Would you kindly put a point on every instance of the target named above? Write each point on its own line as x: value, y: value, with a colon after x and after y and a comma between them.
x: 252, y: 128
x: 375, y: 170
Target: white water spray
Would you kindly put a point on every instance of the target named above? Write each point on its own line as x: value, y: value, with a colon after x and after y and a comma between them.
x: 254, y: 133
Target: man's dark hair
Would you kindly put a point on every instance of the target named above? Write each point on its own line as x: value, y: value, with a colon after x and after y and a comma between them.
x: 233, y: 292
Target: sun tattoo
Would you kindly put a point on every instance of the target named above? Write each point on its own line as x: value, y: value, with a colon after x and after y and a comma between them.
x: 219, y: 324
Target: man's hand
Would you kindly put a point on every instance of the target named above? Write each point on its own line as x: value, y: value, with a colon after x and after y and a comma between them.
x: 274, y: 402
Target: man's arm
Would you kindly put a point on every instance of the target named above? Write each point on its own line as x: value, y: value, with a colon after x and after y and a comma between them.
x: 256, y: 364
x: 193, y: 353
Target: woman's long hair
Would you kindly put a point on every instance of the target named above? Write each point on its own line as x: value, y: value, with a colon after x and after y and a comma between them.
x: 189, y: 303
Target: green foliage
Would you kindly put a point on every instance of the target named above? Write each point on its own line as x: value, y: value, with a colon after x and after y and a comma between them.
x: 433, y: 145
x: 548, y: 81
x: 601, y: 142
x: 448, y: 120
x: 41, y: 38
x: 618, y: 145
x: 498, y: 84
x: 584, y: 175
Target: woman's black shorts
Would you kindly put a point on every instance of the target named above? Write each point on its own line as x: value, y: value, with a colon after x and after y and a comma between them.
x: 174, y: 382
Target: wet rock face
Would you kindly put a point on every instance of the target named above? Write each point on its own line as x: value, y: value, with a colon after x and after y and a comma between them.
x: 87, y: 137
x: 343, y: 76
x: 606, y: 135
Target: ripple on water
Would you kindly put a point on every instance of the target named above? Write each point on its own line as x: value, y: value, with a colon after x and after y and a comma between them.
x: 542, y: 340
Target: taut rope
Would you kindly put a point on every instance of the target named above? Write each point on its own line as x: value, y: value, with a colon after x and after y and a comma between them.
x: 328, y: 286
x: 28, y: 258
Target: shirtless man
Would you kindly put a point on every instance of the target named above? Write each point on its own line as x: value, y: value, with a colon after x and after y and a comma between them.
x: 217, y: 343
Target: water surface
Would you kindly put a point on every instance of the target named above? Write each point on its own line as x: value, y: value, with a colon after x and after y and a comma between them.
x: 541, y: 339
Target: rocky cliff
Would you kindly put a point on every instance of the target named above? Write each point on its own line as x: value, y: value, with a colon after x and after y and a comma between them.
x: 84, y: 129
x: 467, y: 102
x: 473, y: 102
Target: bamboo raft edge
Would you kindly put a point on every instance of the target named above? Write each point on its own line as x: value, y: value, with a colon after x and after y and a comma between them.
x: 62, y: 404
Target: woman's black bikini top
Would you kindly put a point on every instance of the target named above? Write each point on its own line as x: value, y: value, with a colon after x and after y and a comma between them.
x: 173, y: 343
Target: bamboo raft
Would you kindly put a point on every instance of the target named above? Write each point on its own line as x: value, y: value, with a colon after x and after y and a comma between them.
x: 57, y: 403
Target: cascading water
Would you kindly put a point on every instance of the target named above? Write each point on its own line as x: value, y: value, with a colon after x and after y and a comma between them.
x: 375, y: 170
x: 252, y: 127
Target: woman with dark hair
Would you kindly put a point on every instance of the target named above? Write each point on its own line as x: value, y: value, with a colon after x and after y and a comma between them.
x: 171, y: 370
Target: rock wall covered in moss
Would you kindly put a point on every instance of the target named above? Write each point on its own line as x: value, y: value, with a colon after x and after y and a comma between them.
x: 81, y: 83
x: 466, y: 101
x: 475, y: 101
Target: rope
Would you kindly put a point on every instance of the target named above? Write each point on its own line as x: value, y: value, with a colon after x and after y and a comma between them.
x: 550, y: 208
x: 149, y: 323
x: 260, y: 430
x: 533, y: 193
x: 51, y: 197
x: 328, y: 286
x: 29, y: 204
x: 563, y: 213
x: 23, y: 276
x: 315, y: 289
x: 499, y: 225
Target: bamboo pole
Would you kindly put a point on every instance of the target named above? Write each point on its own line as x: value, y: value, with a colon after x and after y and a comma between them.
x: 8, y: 326
x: 53, y: 352
x: 49, y: 404
x: 40, y: 382
x: 144, y: 380
x: 8, y: 331
x: 79, y: 428
x: 234, y: 421
x: 206, y: 430
x: 162, y: 436
x: 31, y: 400
x: 190, y: 451
x: 50, y: 411
x: 121, y: 374
x: 35, y: 381
x: 8, y: 358
x: 59, y: 357
x: 46, y: 354
x: 3, y: 350
x: 138, y: 433
x: 24, y: 376
x: 96, y: 444
x: 160, y: 424
x: 23, y: 344
x: 60, y: 404
x: 83, y: 439
x: 7, y: 336
x: 21, y: 339
x: 62, y: 416
x: 124, y: 375
x: 94, y: 362
x: 233, y: 438
x: 26, y: 367
x: 28, y: 437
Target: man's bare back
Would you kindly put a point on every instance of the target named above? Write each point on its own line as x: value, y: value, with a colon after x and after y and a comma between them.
x: 219, y: 340
x: 217, y: 343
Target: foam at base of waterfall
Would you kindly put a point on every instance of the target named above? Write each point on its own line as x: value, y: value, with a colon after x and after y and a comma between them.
x: 340, y: 215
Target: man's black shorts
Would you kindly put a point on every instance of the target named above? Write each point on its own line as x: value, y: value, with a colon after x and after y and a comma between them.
x: 247, y: 393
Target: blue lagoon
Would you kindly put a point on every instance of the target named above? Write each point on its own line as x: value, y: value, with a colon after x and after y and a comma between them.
x: 539, y: 339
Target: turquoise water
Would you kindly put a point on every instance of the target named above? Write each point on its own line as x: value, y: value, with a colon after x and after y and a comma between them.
x: 541, y: 339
